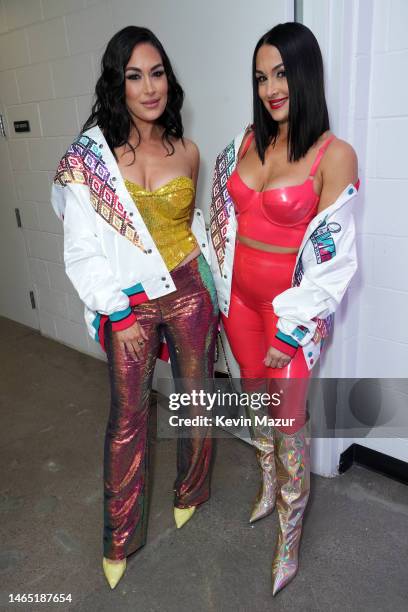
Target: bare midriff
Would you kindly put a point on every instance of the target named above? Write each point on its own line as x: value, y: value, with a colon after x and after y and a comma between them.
x: 262, y: 246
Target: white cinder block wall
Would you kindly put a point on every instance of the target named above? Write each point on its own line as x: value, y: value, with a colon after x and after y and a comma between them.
x: 343, y: 30
x: 383, y: 338
x: 365, y: 47
x: 355, y: 76
x: 49, y: 60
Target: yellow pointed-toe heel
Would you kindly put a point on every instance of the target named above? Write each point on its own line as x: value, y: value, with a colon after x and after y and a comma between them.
x: 113, y: 570
x: 182, y: 515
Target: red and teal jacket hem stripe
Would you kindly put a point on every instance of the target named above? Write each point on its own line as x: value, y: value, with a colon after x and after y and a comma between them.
x: 121, y: 319
x: 285, y: 343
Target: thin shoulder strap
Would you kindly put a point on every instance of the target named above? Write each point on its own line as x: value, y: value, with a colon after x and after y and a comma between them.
x: 320, y: 154
x: 247, y: 142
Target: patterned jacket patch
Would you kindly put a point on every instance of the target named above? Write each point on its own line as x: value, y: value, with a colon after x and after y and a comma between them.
x: 323, y: 243
x: 324, y: 326
x: 298, y: 273
x: 299, y: 332
x: 221, y: 201
x: 83, y: 164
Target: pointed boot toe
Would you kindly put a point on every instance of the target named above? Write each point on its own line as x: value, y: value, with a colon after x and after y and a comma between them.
x: 182, y: 515
x: 113, y: 571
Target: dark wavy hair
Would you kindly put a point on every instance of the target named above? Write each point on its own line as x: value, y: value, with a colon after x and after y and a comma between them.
x: 110, y: 112
x: 308, y: 116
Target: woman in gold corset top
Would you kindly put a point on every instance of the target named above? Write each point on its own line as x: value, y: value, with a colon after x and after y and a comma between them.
x: 140, y: 176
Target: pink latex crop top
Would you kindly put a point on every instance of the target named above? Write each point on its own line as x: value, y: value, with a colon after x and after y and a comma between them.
x: 276, y: 216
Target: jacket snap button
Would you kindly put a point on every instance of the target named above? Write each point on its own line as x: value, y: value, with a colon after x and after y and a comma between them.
x: 113, y: 178
x: 203, y: 244
x: 167, y: 286
x: 198, y: 213
x: 225, y: 276
x: 101, y: 146
x: 227, y: 240
x: 149, y: 251
x: 131, y: 214
x: 225, y: 310
x: 163, y: 278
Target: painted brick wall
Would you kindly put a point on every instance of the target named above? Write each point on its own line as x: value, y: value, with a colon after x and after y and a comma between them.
x: 383, y: 331
x: 49, y: 60
x: 368, y: 92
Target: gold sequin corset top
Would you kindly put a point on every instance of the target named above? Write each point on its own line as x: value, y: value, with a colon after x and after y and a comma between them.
x: 166, y: 212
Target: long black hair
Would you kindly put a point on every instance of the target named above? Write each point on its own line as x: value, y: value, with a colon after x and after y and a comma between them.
x: 308, y: 116
x: 110, y: 112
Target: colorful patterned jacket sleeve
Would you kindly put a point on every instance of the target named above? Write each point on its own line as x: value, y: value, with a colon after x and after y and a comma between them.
x: 85, y: 262
x: 322, y: 275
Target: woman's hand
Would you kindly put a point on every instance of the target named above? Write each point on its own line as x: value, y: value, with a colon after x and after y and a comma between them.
x: 132, y: 339
x: 276, y: 359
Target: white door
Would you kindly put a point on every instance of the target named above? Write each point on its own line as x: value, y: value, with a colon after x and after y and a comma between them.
x: 16, y: 285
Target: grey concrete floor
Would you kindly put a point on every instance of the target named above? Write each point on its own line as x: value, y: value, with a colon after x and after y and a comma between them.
x: 54, y: 405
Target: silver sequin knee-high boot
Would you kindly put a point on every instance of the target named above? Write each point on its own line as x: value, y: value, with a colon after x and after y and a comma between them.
x: 265, y: 500
x: 263, y: 442
x: 292, y: 458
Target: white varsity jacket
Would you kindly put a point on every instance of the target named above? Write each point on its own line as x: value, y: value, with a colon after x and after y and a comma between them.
x: 325, y: 263
x: 110, y: 256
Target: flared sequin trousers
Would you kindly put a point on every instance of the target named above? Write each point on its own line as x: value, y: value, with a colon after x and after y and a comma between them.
x: 188, y: 317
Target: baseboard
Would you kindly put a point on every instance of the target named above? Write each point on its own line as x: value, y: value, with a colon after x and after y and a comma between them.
x: 374, y: 460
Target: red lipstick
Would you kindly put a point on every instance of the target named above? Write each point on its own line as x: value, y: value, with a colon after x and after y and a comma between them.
x: 277, y: 103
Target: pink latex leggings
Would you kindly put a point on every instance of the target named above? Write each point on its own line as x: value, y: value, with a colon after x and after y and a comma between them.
x: 259, y: 276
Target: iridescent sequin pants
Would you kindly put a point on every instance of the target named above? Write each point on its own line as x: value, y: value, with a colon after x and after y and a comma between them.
x: 189, y: 318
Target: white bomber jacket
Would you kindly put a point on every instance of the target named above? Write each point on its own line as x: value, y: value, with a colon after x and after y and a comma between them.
x: 109, y: 254
x: 325, y: 263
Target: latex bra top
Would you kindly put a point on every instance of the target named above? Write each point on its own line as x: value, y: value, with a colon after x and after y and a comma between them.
x: 277, y: 216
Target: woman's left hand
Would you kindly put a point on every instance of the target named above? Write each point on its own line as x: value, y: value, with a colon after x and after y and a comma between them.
x: 276, y: 359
